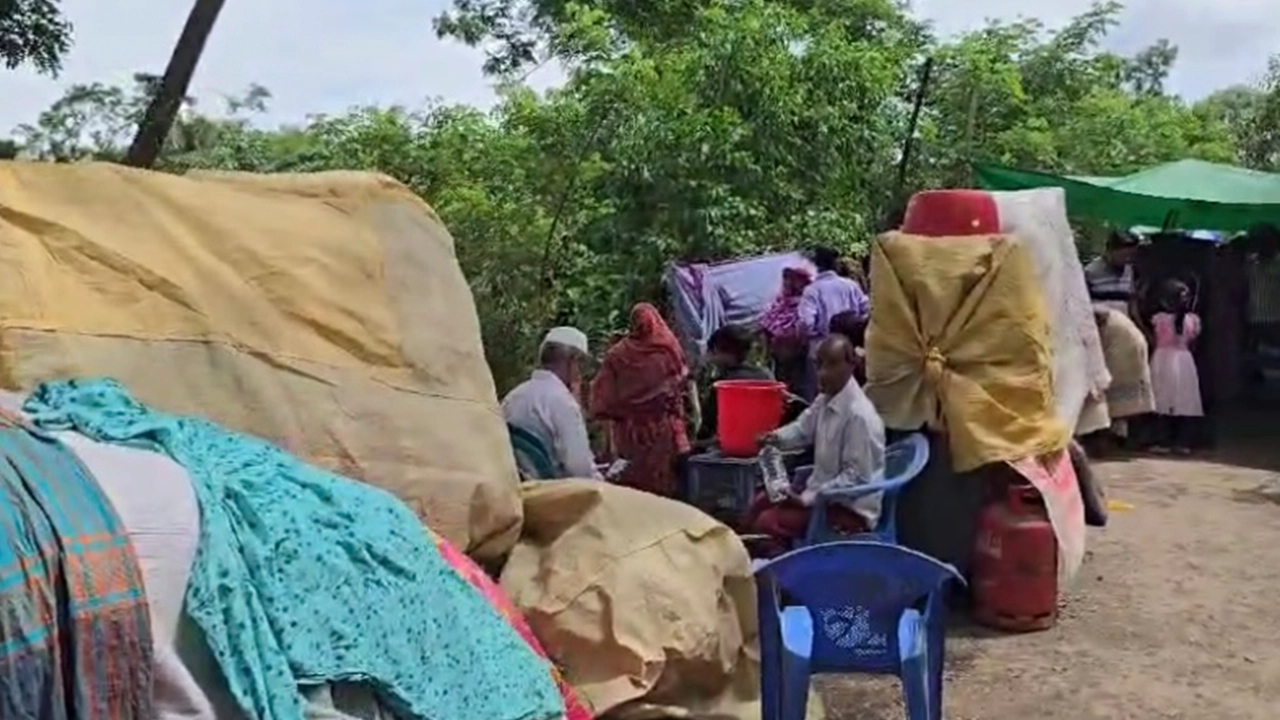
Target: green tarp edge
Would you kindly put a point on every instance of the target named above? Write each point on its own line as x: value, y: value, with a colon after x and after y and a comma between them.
x: 1089, y: 198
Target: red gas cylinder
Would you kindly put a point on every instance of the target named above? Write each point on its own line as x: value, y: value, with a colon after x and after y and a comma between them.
x: 1015, y: 564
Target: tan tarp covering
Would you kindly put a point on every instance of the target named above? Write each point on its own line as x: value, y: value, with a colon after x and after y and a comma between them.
x: 647, y: 604
x: 324, y: 312
x: 959, y: 339
x: 1125, y: 348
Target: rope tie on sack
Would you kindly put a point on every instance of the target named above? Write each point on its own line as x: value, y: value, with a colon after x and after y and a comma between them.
x: 935, y: 374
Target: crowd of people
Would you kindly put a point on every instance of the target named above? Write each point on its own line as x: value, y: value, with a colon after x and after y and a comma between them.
x: 650, y: 410
x: 1149, y: 354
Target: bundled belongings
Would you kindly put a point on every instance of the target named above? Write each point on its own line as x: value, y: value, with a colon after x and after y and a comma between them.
x: 646, y: 603
x: 705, y: 298
x: 324, y: 312
x: 958, y: 341
x: 75, y: 637
x: 304, y: 578
x: 155, y: 500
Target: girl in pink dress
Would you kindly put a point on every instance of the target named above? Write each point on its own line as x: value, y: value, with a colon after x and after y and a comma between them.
x: 1173, y: 370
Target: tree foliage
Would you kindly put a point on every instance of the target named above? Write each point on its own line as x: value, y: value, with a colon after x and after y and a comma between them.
x: 33, y: 32
x: 703, y: 129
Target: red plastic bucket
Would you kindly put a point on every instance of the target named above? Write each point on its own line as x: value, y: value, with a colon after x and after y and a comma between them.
x: 745, y: 410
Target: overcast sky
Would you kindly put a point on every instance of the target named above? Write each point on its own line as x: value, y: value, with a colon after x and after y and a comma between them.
x: 319, y: 56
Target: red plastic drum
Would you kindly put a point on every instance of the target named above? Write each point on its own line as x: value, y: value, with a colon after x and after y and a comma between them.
x: 951, y: 213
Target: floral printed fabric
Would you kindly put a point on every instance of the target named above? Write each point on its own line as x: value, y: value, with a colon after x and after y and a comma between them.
x: 782, y: 319
x: 574, y: 709
x: 305, y: 577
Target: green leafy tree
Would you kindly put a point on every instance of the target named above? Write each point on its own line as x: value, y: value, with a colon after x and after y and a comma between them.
x: 1020, y: 94
x: 1251, y: 113
x: 701, y: 131
x: 33, y: 32
x: 95, y: 122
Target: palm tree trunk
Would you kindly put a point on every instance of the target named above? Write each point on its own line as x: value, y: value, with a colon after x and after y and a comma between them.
x: 163, y: 108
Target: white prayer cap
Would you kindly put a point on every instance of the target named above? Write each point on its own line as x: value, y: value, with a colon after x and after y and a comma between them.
x: 570, y: 337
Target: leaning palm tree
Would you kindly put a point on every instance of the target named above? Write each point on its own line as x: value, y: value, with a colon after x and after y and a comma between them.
x: 165, y: 103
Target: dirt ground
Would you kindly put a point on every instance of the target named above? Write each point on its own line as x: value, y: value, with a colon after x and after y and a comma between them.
x: 1174, y: 614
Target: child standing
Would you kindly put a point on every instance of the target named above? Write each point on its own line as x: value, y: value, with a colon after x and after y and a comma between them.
x: 1174, y: 378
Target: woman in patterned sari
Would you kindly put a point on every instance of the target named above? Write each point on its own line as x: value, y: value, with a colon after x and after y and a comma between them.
x: 788, y: 341
x: 640, y: 392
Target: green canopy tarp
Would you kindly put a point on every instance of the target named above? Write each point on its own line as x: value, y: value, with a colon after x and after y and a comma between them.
x: 1187, y: 194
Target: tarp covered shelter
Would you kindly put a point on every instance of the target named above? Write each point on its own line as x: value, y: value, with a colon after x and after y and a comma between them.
x: 1186, y: 193
x: 706, y: 297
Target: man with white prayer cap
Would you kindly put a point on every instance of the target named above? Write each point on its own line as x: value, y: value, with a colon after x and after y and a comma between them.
x: 545, y: 406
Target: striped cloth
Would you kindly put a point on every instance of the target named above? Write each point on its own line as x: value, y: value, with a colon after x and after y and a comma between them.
x: 75, y: 638
x: 1107, y: 287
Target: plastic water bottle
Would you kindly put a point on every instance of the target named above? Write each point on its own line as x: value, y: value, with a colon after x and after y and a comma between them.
x: 777, y: 484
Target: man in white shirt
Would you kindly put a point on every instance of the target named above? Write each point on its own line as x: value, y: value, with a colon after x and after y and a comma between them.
x: 545, y: 406
x: 847, y: 436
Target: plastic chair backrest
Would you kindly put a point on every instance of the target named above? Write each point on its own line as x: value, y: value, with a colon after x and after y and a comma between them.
x: 906, y: 458
x: 532, y: 456
x: 903, y: 462
x: 855, y: 593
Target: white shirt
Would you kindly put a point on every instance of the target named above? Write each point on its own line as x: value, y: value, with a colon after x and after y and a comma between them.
x: 544, y: 406
x: 847, y: 436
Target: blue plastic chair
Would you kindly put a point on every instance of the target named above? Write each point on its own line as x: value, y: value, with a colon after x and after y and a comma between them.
x: 532, y: 457
x: 852, y: 607
x: 903, y: 462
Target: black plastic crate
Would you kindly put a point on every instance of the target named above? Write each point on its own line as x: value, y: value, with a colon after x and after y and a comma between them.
x: 722, y: 487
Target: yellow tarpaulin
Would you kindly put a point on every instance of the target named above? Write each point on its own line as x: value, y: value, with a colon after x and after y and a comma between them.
x: 959, y: 340
x: 647, y: 604
x: 324, y: 312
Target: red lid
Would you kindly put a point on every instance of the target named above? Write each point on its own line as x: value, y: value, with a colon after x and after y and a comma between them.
x: 943, y: 213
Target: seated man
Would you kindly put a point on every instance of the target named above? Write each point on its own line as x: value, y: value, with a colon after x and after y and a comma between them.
x: 727, y: 352
x: 847, y: 436
x: 545, y: 406
x: 854, y: 327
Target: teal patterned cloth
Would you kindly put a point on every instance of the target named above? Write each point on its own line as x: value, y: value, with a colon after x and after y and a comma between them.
x: 306, y: 577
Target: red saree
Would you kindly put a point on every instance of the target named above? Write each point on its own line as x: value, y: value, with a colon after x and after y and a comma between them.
x: 639, y: 391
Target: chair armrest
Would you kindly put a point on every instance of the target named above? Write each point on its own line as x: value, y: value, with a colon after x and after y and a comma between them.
x: 853, y: 492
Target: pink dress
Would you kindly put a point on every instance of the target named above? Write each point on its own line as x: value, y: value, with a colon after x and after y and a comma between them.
x: 1173, y: 370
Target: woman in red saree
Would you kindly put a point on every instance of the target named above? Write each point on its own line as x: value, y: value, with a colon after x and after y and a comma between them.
x: 639, y: 391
